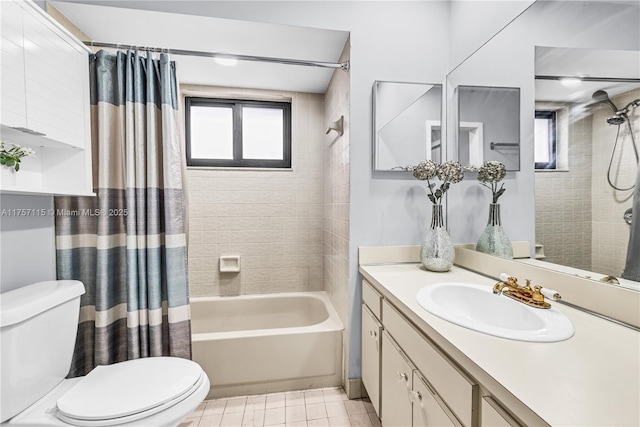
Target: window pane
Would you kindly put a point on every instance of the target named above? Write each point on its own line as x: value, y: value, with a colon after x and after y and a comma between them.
x: 542, y: 141
x: 211, y: 132
x: 262, y: 133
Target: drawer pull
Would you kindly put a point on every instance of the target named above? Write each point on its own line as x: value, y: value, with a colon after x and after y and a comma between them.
x: 373, y: 334
x: 402, y: 377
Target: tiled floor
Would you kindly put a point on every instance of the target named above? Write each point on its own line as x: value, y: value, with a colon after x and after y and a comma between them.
x: 326, y: 407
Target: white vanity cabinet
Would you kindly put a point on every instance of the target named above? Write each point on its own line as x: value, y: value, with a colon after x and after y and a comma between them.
x: 413, y: 382
x: 407, y: 397
x: 371, y: 344
x: 408, y: 380
x: 458, y: 392
x: 44, y: 102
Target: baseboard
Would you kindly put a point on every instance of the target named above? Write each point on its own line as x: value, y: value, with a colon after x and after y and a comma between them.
x: 354, y: 388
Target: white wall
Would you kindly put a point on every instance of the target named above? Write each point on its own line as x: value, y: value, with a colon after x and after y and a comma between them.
x: 27, y: 241
x: 472, y: 23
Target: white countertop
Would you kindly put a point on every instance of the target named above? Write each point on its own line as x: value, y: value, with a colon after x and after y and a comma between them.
x: 591, y: 379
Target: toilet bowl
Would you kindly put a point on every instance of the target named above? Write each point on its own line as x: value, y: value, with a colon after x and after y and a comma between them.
x: 153, y: 391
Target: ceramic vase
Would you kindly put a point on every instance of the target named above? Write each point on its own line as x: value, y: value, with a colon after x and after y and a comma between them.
x: 437, y: 252
x: 494, y: 239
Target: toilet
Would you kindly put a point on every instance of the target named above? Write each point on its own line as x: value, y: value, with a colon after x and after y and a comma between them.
x: 38, y: 326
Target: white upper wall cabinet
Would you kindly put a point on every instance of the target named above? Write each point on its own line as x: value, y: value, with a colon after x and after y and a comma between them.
x: 45, y: 102
x: 13, y: 106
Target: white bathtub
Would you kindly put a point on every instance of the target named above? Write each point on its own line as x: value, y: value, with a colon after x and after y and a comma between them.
x: 256, y: 344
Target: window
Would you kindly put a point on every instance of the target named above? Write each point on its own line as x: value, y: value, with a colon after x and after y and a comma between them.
x: 238, y: 133
x: 545, y: 140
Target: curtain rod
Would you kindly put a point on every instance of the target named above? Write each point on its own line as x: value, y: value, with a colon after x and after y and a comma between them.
x: 590, y: 79
x: 342, y: 65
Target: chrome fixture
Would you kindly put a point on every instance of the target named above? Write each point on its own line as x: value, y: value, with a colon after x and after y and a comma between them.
x: 337, y: 126
x: 342, y: 65
x: 619, y: 117
x: 628, y: 216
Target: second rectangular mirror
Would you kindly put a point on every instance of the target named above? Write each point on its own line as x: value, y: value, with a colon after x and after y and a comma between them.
x: 489, y: 125
x: 406, y: 124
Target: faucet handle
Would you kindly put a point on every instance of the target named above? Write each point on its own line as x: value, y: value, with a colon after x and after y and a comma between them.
x: 511, y: 280
x: 550, y: 293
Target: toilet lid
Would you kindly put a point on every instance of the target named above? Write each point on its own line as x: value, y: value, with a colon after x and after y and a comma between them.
x: 129, y: 390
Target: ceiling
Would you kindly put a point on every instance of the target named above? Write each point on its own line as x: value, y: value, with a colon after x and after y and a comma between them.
x: 553, y: 61
x: 127, y: 26
x: 159, y: 26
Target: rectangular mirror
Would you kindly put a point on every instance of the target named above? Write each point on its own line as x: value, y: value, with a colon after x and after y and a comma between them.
x: 489, y: 125
x: 406, y: 124
x: 567, y: 58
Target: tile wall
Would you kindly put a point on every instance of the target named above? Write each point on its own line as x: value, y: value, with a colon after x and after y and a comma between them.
x: 271, y: 218
x: 336, y: 200
x: 578, y: 215
x: 563, y: 199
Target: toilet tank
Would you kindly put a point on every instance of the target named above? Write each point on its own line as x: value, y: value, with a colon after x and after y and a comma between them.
x: 38, y: 327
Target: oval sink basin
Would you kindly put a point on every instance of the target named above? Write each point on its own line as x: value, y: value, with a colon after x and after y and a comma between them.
x: 477, y: 307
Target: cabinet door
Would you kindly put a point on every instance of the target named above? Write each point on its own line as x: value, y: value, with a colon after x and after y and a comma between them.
x: 427, y: 409
x: 12, y: 104
x: 54, y: 70
x: 396, y: 378
x: 371, y: 331
x: 455, y: 387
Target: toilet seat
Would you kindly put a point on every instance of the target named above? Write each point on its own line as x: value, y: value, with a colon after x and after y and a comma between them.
x: 128, y: 391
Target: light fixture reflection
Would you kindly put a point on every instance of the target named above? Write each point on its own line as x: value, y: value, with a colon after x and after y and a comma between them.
x: 226, y: 61
x: 570, y: 81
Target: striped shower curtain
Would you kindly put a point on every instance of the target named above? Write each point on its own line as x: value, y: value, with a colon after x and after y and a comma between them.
x: 128, y: 244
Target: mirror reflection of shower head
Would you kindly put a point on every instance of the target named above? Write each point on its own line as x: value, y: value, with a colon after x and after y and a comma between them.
x: 617, y: 120
x: 600, y: 96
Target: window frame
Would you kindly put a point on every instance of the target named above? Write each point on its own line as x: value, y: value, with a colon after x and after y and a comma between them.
x: 238, y: 161
x: 552, y: 116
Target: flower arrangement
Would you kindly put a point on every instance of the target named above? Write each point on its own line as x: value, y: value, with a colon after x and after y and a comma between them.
x: 10, y: 154
x: 489, y: 175
x: 449, y: 173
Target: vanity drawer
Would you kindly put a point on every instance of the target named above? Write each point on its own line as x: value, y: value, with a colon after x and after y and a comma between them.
x: 494, y: 416
x: 458, y: 391
x: 428, y: 411
x: 372, y: 298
